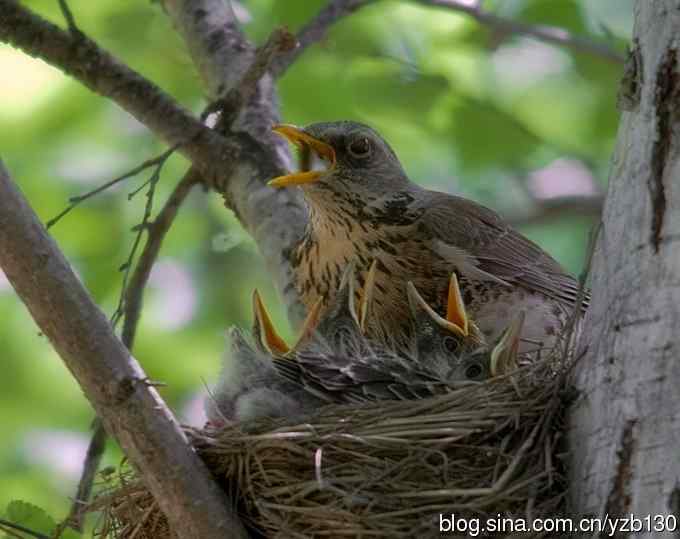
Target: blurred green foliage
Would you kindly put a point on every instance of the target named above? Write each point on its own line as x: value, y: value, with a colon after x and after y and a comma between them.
x: 467, y: 110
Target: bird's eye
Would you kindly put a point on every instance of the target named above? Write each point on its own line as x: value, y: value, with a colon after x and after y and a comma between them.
x: 473, y: 371
x: 451, y: 344
x: 360, y: 147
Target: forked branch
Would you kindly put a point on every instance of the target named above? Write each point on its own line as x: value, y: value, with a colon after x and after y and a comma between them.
x: 110, y: 377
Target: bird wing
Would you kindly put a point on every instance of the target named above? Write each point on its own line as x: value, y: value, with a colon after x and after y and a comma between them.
x: 338, y: 378
x: 478, y: 236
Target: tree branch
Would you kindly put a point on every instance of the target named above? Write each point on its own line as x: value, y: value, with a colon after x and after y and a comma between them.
x: 316, y: 30
x: 68, y: 16
x: 133, y: 295
x: 274, y: 218
x: 280, y: 40
x: 95, y: 452
x: 110, y: 377
x: 156, y: 234
x: 549, y: 34
x: 74, y: 201
x: 218, y: 48
x: 81, y: 58
x: 238, y: 167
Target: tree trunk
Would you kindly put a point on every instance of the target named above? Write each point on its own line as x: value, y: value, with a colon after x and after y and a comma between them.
x: 625, y: 423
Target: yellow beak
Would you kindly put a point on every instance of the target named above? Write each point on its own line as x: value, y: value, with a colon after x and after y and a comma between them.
x: 445, y: 323
x: 297, y: 136
x: 267, y: 332
x: 455, y: 310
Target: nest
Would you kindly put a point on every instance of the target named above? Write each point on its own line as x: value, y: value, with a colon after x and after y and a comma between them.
x: 384, y: 469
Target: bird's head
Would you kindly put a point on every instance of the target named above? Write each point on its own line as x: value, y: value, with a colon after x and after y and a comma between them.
x: 452, y: 344
x: 343, y: 158
x: 343, y: 320
x: 505, y: 352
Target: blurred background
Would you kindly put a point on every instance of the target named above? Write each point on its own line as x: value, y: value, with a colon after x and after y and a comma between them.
x: 524, y: 127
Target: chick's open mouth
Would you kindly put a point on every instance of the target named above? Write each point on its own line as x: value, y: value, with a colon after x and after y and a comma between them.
x: 306, y: 143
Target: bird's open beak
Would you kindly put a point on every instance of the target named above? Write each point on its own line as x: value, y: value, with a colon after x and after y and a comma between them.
x: 302, y: 140
x: 266, y: 333
x: 451, y: 322
x: 455, y: 308
x: 310, y: 323
x: 504, y: 354
x: 367, y: 297
x: 264, y: 328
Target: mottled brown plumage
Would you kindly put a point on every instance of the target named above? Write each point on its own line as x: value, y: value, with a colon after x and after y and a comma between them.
x: 363, y: 207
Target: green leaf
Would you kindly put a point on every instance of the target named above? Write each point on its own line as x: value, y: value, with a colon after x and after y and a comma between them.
x: 70, y: 533
x: 564, y: 14
x: 486, y: 136
x: 29, y: 516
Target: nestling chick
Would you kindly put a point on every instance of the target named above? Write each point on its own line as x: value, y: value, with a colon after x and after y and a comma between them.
x: 339, y: 328
x: 447, y: 352
x: 334, y: 362
x: 253, y: 388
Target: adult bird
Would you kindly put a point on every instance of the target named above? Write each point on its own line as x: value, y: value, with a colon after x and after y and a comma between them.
x: 363, y: 206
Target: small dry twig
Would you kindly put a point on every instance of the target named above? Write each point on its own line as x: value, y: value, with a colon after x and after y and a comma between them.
x: 74, y: 201
x: 95, y: 451
x: 316, y: 29
x: 280, y: 41
x: 139, y: 231
x: 548, y: 34
x: 70, y: 20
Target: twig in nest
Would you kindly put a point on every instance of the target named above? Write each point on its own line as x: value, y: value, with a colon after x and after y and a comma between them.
x: 74, y: 201
x: 571, y: 332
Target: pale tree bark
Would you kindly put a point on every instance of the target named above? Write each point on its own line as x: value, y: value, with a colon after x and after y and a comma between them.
x: 625, y: 422
x: 274, y: 217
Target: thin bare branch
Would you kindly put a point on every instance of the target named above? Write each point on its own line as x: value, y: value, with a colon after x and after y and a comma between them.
x: 157, y: 230
x: 81, y: 58
x: 74, y: 201
x: 4, y: 524
x: 110, y: 377
x: 280, y: 41
x: 139, y: 231
x: 548, y: 34
x: 316, y: 30
x: 68, y: 16
x: 95, y: 451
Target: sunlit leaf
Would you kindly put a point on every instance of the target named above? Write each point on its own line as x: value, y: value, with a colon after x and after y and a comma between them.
x: 29, y: 516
